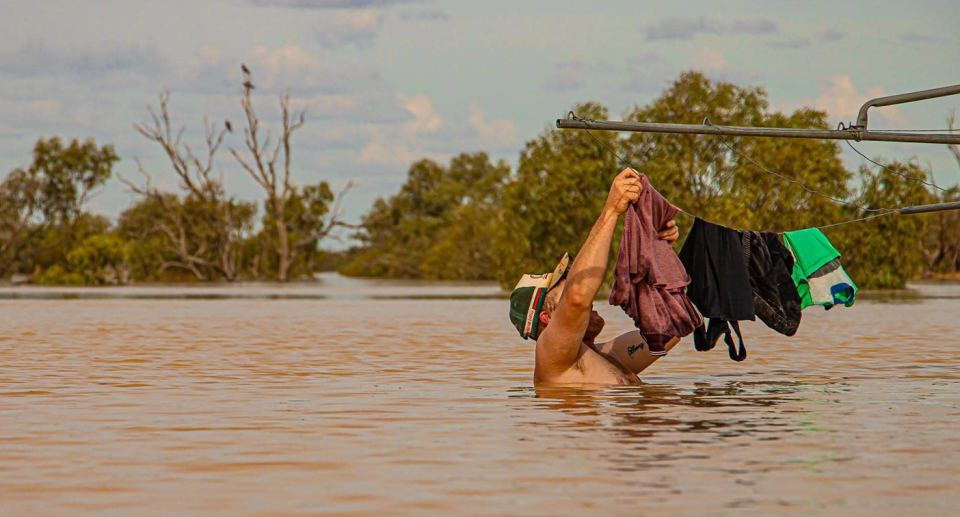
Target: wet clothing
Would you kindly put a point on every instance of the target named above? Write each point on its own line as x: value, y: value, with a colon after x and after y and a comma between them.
x: 817, y: 273
x: 830, y: 285
x: 769, y: 265
x: 720, y: 284
x: 649, y: 280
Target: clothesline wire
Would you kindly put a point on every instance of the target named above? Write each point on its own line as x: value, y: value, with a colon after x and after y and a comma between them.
x: 884, y: 211
x: 706, y: 122
x: 902, y: 175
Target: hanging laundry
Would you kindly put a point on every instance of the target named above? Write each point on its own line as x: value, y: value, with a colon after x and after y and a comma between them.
x: 769, y: 265
x: 720, y: 284
x: 649, y: 280
x: 817, y: 273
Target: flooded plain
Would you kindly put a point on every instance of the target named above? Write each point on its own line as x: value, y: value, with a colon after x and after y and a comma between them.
x: 349, y: 397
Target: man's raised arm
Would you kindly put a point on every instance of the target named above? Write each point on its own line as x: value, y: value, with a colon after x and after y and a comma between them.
x: 560, y: 342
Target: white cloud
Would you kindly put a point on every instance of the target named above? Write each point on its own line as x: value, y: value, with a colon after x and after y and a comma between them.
x: 495, y: 135
x: 425, y: 116
x: 398, y: 146
x: 715, y: 65
x: 427, y: 135
x: 841, y: 99
x: 288, y: 68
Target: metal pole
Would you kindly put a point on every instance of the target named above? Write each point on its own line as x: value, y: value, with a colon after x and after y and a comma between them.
x: 694, y: 129
x: 923, y: 209
x: 902, y: 98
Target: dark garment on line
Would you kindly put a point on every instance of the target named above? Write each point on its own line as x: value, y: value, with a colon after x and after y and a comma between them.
x: 775, y: 297
x: 649, y: 280
x: 719, y: 285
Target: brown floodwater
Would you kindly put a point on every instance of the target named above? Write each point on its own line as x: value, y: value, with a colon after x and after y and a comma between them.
x: 389, y: 398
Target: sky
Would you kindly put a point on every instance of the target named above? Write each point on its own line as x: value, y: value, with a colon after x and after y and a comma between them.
x: 388, y: 82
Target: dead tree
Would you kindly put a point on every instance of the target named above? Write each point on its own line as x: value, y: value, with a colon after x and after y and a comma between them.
x: 194, y: 174
x: 273, y: 176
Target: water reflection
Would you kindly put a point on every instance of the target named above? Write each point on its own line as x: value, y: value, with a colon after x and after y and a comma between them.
x: 643, y: 414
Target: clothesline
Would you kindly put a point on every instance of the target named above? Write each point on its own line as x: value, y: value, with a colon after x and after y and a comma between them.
x: 880, y: 212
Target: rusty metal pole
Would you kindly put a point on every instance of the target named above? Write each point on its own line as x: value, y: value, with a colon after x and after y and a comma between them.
x: 858, y: 132
x: 694, y: 129
x: 903, y: 98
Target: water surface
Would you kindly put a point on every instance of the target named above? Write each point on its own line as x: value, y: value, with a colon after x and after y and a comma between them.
x: 391, y: 398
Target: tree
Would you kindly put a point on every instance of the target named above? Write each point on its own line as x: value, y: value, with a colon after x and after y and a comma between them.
x: 19, y: 201
x: 201, y: 231
x: 439, y: 226
x: 285, y: 216
x: 101, y: 260
x: 555, y: 197
x: 705, y: 177
x: 46, y: 201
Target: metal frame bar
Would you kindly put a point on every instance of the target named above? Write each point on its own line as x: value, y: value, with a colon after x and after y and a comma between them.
x: 858, y: 132
x: 923, y: 209
x: 903, y: 98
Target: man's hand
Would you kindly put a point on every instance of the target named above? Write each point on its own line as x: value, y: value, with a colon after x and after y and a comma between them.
x: 626, y: 189
x: 670, y: 233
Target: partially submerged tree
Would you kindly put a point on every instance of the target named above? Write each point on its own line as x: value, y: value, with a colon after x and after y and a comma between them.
x: 296, y: 220
x: 202, y: 230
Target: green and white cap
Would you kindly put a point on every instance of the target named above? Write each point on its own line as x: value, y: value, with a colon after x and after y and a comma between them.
x: 526, y: 300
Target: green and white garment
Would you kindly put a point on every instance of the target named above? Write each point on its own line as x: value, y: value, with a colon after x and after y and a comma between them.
x: 817, y: 273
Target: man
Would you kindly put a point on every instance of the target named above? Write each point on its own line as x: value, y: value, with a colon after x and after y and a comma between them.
x: 556, y: 309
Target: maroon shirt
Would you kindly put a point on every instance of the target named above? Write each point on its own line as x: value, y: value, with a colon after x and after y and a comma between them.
x: 649, y: 280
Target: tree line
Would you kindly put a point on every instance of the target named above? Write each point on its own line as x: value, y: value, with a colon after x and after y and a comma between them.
x: 197, y: 232
x: 473, y: 219
x: 469, y: 219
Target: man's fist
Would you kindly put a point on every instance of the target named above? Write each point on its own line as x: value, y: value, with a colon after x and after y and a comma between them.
x: 626, y: 189
x: 670, y: 233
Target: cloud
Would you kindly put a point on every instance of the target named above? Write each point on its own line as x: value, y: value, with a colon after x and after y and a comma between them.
x: 332, y: 4
x: 359, y: 27
x: 399, y: 145
x: 495, y: 135
x: 426, y: 134
x: 832, y: 35
x: 918, y: 37
x: 790, y: 43
x: 715, y: 65
x: 841, y: 99
x: 289, y: 68
x: 647, y: 72
x: 686, y: 27
x: 567, y: 76
x: 425, y: 15
x: 39, y: 59
x: 571, y: 74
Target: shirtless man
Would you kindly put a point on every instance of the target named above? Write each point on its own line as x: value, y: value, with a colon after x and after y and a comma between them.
x: 556, y: 309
